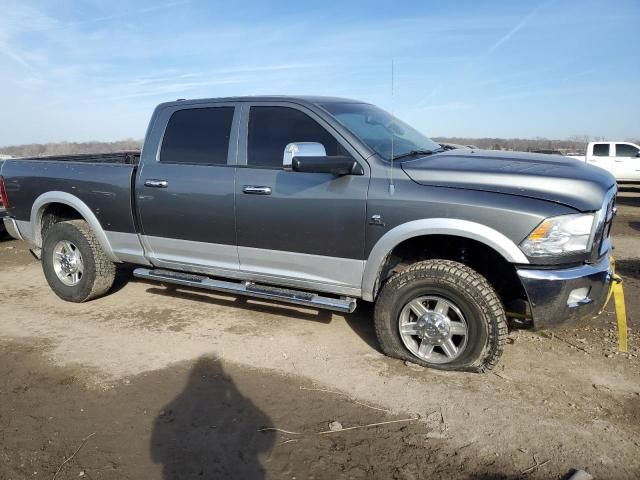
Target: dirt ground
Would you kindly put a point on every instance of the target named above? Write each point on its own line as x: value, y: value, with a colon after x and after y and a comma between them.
x: 160, y: 383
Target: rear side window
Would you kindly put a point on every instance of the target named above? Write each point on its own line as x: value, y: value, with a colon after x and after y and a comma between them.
x: 601, y: 150
x: 624, y: 150
x: 198, y: 136
x: 271, y: 129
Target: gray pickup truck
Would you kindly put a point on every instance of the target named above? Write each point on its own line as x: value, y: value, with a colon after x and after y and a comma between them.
x: 321, y: 202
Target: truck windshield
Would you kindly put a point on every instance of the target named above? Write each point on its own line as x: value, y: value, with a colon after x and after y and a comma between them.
x: 375, y: 127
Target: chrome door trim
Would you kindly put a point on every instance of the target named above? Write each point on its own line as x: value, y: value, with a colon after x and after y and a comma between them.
x: 154, y: 183
x: 256, y: 190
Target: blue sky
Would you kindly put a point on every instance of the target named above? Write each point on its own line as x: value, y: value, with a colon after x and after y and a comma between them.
x: 94, y: 70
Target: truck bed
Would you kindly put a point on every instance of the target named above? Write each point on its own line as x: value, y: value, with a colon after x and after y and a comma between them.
x: 103, y: 182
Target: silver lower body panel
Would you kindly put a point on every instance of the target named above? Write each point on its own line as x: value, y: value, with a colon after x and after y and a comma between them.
x: 12, y: 229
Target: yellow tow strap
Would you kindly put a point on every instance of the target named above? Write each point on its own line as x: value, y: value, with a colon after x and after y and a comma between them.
x: 621, y: 312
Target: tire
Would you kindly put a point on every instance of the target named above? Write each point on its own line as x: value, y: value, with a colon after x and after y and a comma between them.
x: 461, y: 319
x: 98, y: 272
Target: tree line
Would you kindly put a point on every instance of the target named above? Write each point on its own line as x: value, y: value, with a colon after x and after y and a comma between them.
x: 573, y: 144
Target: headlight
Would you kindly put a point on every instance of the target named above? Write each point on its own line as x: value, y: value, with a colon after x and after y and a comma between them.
x: 561, y: 235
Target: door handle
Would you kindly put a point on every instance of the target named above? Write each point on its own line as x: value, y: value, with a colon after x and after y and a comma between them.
x: 151, y: 182
x: 256, y: 190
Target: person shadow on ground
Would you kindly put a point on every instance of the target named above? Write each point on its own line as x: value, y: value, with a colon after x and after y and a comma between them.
x: 210, y: 430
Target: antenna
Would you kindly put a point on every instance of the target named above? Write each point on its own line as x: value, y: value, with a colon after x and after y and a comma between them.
x: 392, y: 187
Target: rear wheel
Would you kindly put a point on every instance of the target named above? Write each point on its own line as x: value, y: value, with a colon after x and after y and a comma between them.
x: 441, y: 314
x: 74, y: 264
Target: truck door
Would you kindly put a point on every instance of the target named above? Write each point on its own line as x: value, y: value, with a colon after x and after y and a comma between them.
x: 185, y: 189
x: 601, y: 156
x: 626, y: 162
x: 305, y: 230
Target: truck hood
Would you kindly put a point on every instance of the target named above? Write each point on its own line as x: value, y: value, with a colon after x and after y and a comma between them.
x: 546, y: 177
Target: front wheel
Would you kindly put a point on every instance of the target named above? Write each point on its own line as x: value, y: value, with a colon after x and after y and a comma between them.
x: 441, y: 314
x: 74, y: 264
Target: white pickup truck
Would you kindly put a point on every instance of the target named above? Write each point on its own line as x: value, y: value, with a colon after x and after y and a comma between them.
x: 622, y: 159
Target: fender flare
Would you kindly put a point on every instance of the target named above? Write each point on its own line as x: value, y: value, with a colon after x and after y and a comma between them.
x: 37, y: 209
x: 434, y: 226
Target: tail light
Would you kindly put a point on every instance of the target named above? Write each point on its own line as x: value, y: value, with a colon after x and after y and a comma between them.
x: 3, y: 193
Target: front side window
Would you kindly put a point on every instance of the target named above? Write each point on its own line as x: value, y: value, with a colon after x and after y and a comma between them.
x: 198, y: 136
x: 625, y: 150
x: 601, y: 150
x: 382, y: 132
x: 271, y: 129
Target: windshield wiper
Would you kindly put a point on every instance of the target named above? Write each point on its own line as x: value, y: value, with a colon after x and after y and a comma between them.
x: 413, y: 153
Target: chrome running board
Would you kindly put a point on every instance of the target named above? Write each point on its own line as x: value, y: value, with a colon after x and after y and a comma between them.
x: 250, y: 289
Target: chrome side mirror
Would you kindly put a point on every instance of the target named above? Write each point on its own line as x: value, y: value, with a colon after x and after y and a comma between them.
x: 301, y: 149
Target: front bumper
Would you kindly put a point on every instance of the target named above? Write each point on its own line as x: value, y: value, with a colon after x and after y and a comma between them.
x: 559, y: 297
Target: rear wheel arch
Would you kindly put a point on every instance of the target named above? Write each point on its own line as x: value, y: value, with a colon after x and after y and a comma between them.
x: 53, y: 207
x: 53, y: 213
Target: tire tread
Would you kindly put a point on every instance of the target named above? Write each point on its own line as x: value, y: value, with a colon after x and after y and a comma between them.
x: 454, y: 275
x: 105, y: 269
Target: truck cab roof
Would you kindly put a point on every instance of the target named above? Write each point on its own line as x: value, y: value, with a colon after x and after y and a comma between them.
x: 301, y: 99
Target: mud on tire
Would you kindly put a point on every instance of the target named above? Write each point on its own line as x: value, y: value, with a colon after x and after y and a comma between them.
x: 459, y: 285
x: 98, y: 271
